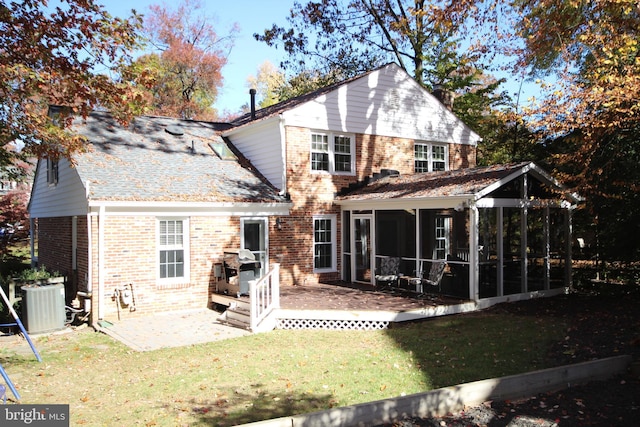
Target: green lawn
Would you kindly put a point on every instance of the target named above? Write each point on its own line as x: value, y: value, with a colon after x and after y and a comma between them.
x: 273, y: 374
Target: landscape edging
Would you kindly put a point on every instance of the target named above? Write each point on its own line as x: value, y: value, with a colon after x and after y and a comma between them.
x: 452, y: 399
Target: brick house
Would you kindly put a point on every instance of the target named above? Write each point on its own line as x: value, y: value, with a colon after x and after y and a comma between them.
x: 154, y: 206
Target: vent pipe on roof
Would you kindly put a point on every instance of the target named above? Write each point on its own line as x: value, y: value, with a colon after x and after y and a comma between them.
x: 252, y: 92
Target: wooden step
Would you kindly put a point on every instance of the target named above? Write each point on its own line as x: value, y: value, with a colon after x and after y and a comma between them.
x: 236, y: 317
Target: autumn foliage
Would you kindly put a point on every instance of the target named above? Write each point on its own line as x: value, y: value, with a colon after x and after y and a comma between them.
x: 186, y: 62
x: 62, y: 54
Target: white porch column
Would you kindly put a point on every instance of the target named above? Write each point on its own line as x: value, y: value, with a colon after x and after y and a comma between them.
x: 474, y: 271
x: 500, y: 249
x: 569, y: 245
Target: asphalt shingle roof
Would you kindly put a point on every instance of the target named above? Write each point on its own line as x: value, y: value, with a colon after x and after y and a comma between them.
x: 145, y: 162
x: 459, y: 182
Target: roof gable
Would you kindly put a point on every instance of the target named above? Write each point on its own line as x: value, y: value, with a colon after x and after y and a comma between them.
x: 385, y: 101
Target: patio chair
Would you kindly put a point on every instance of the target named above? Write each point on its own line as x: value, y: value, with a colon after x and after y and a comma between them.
x: 389, y: 274
x: 434, y: 278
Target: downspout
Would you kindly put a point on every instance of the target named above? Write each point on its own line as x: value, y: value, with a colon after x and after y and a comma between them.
x: 101, y: 226
x: 88, y: 296
x: 34, y: 262
x: 283, y: 154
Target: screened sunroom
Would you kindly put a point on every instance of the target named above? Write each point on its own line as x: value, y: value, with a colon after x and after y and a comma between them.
x: 490, y: 232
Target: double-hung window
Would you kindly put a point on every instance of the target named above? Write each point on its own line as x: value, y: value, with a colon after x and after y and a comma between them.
x: 173, y: 236
x: 430, y: 157
x: 333, y: 153
x: 324, y: 243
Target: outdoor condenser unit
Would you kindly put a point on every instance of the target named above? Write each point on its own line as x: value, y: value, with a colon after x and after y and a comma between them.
x: 43, y: 308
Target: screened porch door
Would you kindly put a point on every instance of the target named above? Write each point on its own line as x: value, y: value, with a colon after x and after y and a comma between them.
x: 362, y: 248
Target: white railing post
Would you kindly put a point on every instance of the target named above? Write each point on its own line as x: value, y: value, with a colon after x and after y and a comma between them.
x: 264, y: 296
x: 275, y: 286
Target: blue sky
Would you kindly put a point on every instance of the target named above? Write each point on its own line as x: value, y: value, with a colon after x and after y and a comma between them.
x: 252, y: 16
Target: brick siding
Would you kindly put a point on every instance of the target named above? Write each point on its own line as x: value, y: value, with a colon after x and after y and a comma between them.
x: 313, y: 194
x: 130, y: 257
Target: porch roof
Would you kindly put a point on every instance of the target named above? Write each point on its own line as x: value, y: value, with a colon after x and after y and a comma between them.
x: 470, y: 183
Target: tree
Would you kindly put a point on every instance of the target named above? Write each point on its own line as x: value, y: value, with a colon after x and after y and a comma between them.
x: 330, y: 40
x: 188, y: 63
x: 267, y: 82
x: 60, y: 56
x: 363, y: 34
x: 591, y: 112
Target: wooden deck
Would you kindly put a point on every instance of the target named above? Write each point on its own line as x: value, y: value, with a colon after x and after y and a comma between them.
x: 350, y: 297
x: 348, y: 306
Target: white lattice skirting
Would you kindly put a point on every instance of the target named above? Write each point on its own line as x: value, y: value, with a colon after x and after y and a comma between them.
x: 356, y: 325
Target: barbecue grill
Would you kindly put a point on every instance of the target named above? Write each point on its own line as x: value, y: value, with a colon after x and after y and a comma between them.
x: 240, y: 267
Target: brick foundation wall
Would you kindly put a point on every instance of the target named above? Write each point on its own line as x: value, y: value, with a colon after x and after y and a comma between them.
x: 54, y: 244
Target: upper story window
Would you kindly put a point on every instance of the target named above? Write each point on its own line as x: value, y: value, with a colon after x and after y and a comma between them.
x: 52, y: 171
x: 430, y: 157
x: 333, y: 153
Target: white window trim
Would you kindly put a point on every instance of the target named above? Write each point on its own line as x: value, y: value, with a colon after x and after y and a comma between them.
x: 172, y: 281
x: 334, y: 245
x: 430, y: 158
x: 332, y: 160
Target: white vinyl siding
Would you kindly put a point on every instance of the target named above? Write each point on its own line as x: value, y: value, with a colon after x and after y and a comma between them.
x: 384, y: 102
x: 263, y: 145
x: 67, y: 198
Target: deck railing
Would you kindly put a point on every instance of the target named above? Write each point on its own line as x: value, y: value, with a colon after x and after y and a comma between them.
x: 12, y: 290
x: 265, y: 298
